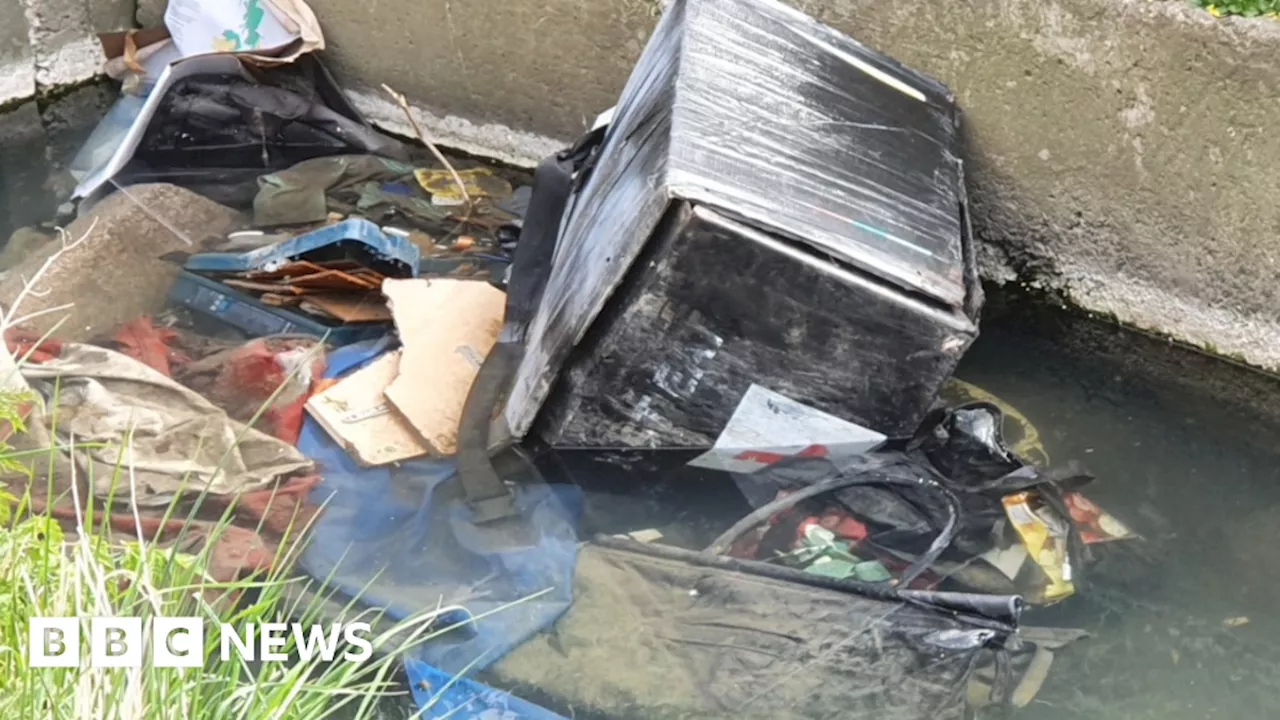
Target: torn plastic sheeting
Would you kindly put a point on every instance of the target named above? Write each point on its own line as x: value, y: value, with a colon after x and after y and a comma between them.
x: 176, y: 438
x: 767, y: 426
x: 99, y: 176
x: 273, y: 376
x: 960, y: 450
x: 400, y: 538
x: 301, y: 193
x: 440, y: 695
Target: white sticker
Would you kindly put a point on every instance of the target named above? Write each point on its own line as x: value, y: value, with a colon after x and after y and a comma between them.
x: 767, y: 426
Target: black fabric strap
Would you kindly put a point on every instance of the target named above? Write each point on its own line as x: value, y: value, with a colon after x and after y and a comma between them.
x: 554, y: 182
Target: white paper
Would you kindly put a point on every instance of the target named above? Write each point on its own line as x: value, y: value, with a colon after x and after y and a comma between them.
x: 204, y: 26
x: 1008, y: 561
x: 604, y: 118
x: 767, y: 426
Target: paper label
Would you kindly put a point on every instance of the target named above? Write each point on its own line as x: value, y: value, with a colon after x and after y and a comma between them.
x: 767, y: 427
x: 1095, y: 524
x: 202, y: 26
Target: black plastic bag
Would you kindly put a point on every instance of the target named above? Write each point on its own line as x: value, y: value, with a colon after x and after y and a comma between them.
x: 216, y: 134
x: 951, y: 477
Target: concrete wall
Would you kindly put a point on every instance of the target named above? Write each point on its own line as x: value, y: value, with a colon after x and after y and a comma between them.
x: 1121, y: 150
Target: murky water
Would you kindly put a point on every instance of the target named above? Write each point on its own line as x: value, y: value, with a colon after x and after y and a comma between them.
x: 1184, y: 450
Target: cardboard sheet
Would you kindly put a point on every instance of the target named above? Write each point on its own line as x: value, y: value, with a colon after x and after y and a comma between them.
x: 447, y: 328
x: 356, y: 414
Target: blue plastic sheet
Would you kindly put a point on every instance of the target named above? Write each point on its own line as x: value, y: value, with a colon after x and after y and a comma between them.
x: 399, y: 538
x: 466, y: 698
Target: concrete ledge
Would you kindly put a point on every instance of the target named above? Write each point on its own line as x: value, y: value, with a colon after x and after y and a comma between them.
x: 17, y: 69
x: 514, y: 147
x: 48, y: 44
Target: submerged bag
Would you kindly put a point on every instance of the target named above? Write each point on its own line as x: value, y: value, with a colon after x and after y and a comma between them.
x: 658, y: 632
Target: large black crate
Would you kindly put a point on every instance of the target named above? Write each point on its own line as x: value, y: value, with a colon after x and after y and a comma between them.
x: 776, y: 205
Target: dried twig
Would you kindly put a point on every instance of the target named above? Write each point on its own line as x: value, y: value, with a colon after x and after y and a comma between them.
x: 41, y: 313
x: 29, y: 285
x: 404, y: 105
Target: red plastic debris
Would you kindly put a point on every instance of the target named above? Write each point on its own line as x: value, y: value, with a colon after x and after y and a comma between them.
x: 843, y: 524
x: 243, y: 380
x: 766, y: 457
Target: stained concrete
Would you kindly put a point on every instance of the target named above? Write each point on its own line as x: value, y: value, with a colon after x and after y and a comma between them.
x: 150, y: 13
x: 540, y: 68
x: 1119, y: 149
x: 62, y: 37
x: 68, y: 122
x: 23, y: 199
x: 17, y: 70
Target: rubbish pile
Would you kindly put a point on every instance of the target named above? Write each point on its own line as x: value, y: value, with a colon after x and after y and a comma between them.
x: 382, y: 358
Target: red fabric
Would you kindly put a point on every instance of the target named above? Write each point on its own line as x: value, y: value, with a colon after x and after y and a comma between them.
x: 282, y: 509
x: 141, y: 340
x: 20, y: 342
x: 253, y: 373
x: 235, y: 550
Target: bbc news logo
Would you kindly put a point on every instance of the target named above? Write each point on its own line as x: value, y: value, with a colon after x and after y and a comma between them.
x: 179, y: 642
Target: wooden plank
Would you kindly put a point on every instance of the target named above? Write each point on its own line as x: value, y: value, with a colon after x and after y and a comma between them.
x: 272, y: 298
x: 263, y: 287
x: 447, y: 327
x: 331, y: 280
x: 353, y: 308
x: 356, y: 414
x: 344, y: 264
